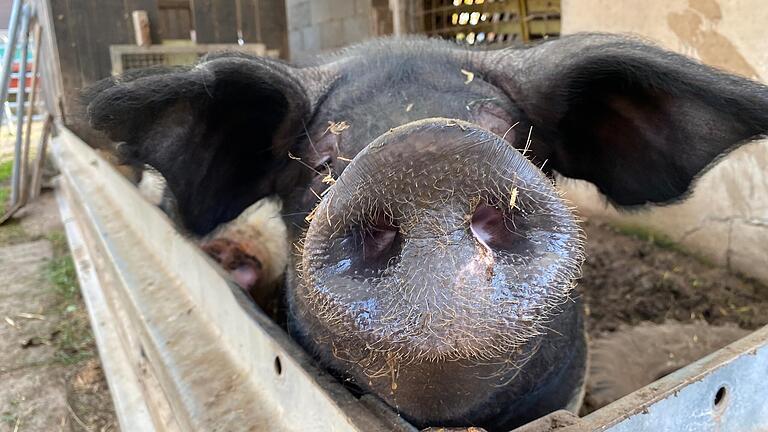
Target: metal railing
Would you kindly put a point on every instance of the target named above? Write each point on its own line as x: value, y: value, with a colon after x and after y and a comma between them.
x: 487, y: 22
x: 25, y: 178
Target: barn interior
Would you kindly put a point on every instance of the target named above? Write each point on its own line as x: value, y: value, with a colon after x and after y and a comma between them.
x: 97, y: 281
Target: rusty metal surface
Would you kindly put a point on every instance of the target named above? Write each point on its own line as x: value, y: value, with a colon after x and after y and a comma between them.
x: 182, y: 327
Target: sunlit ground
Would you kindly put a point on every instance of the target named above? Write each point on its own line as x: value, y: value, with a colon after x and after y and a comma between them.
x: 7, y: 145
x: 8, y: 139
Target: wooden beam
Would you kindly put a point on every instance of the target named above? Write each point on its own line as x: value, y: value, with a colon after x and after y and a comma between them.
x: 524, y: 22
x: 215, y: 21
x: 141, y: 28
x: 153, y: 12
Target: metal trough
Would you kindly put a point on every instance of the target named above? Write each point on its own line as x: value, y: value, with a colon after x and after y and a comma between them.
x: 182, y: 350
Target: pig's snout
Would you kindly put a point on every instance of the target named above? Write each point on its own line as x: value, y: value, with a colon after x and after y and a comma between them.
x: 440, y: 254
x: 245, y: 269
x: 253, y: 250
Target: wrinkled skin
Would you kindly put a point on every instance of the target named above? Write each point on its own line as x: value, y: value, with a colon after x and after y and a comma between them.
x: 438, y: 268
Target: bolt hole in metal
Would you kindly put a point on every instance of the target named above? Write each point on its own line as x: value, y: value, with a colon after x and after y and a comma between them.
x: 721, y: 397
x: 278, y: 366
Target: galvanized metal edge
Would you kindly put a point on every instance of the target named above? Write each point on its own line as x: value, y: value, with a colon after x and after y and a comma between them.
x: 215, y: 361
x: 724, y: 391
x: 127, y: 396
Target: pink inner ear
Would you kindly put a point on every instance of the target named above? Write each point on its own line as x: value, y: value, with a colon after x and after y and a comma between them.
x: 245, y: 276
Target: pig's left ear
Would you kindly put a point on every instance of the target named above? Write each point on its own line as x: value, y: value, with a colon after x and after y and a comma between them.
x: 637, y: 121
x: 219, y: 132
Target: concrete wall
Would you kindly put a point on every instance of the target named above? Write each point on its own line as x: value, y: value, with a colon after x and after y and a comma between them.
x: 726, y: 218
x: 319, y: 25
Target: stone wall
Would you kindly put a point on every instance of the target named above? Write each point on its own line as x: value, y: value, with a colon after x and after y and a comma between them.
x: 726, y: 218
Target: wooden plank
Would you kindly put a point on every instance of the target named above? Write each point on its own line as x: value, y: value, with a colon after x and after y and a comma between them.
x: 151, y: 6
x: 544, y: 6
x: 175, y: 20
x: 215, y: 21
x: 112, y: 25
x: 141, y: 27
x: 254, y: 48
x: 184, y: 21
x: 174, y: 30
x: 250, y: 21
x: 174, y: 4
x: 68, y: 56
x: 82, y: 39
x: 85, y: 29
x: 180, y: 54
x: 274, y: 25
x: 162, y: 24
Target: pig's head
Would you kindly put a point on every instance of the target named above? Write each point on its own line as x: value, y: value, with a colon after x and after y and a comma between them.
x: 437, y: 271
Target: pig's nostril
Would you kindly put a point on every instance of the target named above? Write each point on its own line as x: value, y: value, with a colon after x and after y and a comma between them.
x: 372, y: 245
x: 495, y: 229
x: 486, y: 223
x: 377, y: 241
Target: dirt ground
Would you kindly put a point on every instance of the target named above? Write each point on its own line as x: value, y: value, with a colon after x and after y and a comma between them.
x: 49, y: 367
x: 630, y: 276
x: 652, y: 309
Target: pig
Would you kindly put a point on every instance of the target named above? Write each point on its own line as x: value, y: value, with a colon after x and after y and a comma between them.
x: 437, y: 260
x: 252, y: 248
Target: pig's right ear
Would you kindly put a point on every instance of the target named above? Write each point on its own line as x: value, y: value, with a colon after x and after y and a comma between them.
x: 637, y: 121
x: 219, y: 132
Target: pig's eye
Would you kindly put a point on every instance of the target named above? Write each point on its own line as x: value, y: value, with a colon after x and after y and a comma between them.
x: 498, y: 230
